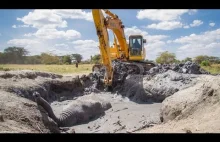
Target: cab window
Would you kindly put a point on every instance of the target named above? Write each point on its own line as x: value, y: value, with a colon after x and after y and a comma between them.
x: 135, y: 44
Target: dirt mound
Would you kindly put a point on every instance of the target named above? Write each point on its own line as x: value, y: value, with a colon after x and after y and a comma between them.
x: 50, y: 88
x: 21, y: 115
x: 146, y: 88
x: 195, y: 109
x: 184, y: 102
x: 27, y: 74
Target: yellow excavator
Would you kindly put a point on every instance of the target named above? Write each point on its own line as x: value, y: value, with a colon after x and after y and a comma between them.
x: 132, y: 54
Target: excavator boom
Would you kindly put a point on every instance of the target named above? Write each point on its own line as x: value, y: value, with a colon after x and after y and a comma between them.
x: 104, y: 46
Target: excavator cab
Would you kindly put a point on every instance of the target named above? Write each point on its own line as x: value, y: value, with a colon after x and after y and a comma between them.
x: 136, y: 47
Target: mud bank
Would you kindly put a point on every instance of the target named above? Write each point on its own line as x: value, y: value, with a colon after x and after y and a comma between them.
x: 192, y: 110
x: 20, y: 85
x: 135, y: 103
x: 146, y: 88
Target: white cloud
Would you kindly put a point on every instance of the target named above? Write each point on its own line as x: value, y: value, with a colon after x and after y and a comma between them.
x: 134, y: 31
x: 166, y: 25
x: 168, y: 19
x: 43, y: 19
x: 23, y: 26
x: 192, y: 11
x: 205, y: 38
x: 153, y: 49
x: 74, y: 14
x: 46, y: 21
x: 196, y: 23
x: 55, y: 34
x: 29, y: 34
x: 162, y: 15
x: 53, y: 18
x: 86, y: 43
x: 155, y: 38
x: 22, y: 42
x: 197, y: 44
x: 34, y: 46
x: 62, y: 45
x: 186, y: 27
x: 169, y: 41
x: 20, y: 26
x: 86, y: 47
x: 212, y: 24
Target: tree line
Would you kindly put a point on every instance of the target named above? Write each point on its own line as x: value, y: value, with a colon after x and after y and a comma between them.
x: 19, y: 55
x: 204, y: 60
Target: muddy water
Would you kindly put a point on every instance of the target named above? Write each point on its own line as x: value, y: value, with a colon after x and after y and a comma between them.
x: 124, y: 115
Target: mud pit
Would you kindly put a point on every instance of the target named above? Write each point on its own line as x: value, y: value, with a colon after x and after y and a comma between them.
x: 61, y: 91
x: 135, y: 104
x: 124, y: 115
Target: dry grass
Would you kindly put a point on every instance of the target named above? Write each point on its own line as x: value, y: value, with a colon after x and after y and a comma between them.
x: 58, y: 69
x: 214, y: 68
x: 71, y: 69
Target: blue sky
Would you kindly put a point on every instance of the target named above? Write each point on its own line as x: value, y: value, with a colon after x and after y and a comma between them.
x: 187, y: 33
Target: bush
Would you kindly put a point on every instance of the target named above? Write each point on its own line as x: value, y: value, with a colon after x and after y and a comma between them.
x: 4, y: 69
x: 166, y: 58
x: 205, y: 63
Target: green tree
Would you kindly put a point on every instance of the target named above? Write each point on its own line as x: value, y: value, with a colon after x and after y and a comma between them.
x: 15, y: 55
x: 187, y: 59
x: 96, y: 59
x: 205, y: 63
x: 77, y: 57
x: 36, y: 59
x: 66, y: 59
x: 177, y: 61
x: 200, y: 58
x: 166, y: 58
x: 47, y: 58
x: 215, y: 60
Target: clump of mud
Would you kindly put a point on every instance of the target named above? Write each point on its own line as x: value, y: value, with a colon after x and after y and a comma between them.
x: 186, y: 68
x: 27, y: 74
x: 157, y: 83
x: 145, y: 88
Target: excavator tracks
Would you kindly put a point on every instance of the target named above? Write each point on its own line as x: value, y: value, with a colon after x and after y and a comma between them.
x: 122, y: 69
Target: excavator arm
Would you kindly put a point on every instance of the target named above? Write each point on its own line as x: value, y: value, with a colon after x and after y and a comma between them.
x: 104, y: 46
x: 115, y: 24
x: 120, y: 48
